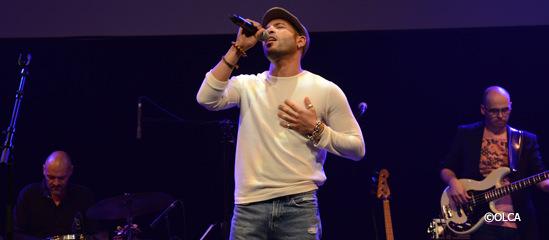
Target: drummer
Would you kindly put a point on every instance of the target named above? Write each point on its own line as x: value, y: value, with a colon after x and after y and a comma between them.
x: 49, y: 208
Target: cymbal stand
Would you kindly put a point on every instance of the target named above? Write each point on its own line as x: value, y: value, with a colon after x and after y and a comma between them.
x: 168, y: 227
x: 129, y: 220
x: 6, y: 158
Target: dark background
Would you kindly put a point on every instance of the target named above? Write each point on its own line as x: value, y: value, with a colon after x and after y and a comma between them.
x: 81, y: 97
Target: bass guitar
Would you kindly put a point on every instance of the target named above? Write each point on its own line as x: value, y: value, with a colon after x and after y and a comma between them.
x: 467, y: 218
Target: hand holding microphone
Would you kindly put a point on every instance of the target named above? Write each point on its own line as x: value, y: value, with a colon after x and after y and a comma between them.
x: 250, y: 32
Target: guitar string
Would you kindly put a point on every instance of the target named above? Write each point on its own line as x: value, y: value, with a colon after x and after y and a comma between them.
x: 482, y: 198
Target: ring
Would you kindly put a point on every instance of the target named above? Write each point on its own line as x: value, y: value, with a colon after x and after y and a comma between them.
x: 309, y: 106
x: 288, y: 126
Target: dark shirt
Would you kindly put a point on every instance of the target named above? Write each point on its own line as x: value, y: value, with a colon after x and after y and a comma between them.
x: 37, y: 216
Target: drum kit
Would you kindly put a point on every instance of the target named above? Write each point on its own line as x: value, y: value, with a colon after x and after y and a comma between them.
x: 126, y: 206
x: 72, y: 237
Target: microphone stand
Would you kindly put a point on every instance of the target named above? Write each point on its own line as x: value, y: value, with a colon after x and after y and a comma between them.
x: 77, y: 226
x: 129, y: 220
x: 227, y: 171
x: 164, y: 215
x: 168, y: 227
x: 6, y: 158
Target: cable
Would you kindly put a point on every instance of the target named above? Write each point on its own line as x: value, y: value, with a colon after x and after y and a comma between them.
x: 184, y: 221
x: 176, y: 117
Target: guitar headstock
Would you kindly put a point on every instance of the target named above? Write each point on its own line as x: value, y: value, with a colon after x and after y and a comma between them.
x: 383, y: 191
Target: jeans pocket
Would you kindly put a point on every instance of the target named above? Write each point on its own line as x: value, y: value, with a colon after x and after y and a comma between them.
x: 306, y: 201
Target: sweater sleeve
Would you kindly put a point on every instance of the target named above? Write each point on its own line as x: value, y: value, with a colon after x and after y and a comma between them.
x: 215, y: 95
x: 342, y: 135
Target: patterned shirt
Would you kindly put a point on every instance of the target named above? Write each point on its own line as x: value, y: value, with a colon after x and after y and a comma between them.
x: 494, y: 154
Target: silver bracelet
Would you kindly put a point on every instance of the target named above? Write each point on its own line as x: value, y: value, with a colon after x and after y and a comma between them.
x: 313, y: 135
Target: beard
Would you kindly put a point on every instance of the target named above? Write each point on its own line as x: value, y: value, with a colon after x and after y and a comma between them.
x: 284, y: 49
x: 57, y: 190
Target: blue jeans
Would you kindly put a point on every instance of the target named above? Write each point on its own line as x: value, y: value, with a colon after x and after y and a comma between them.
x: 490, y: 232
x: 290, y: 217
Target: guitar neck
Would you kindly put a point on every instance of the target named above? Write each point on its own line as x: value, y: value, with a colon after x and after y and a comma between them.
x: 518, y: 185
x: 388, y: 221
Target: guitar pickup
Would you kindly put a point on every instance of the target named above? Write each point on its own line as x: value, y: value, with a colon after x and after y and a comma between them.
x: 458, y: 208
x: 469, y: 209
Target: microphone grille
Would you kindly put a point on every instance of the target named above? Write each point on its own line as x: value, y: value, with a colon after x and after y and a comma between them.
x: 264, y: 37
x: 363, y: 105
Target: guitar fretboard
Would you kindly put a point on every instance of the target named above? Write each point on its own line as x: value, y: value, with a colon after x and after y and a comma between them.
x: 388, y: 221
x: 513, y: 187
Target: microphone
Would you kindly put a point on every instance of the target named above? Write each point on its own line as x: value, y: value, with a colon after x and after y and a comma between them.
x: 247, y: 26
x: 139, y: 118
x: 163, y: 215
x: 361, y: 109
x: 77, y: 225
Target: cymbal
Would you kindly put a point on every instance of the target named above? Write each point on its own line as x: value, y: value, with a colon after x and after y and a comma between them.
x: 119, y: 207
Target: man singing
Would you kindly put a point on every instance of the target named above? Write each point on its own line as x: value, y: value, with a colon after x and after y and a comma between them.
x: 289, y: 119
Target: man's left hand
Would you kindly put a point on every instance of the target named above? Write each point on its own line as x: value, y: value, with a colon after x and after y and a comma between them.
x: 544, y: 185
x: 299, y: 119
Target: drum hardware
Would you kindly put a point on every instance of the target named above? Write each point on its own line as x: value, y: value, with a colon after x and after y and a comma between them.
x: 72, y: 237
x: 437, y: 230
x: 137, y: 204
x: 164, y: 215
x: 129, y: 206
x: 77, y: 225
x: 123, y: 232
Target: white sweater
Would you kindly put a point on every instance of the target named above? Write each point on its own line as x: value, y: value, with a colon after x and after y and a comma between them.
x: 273, y: 161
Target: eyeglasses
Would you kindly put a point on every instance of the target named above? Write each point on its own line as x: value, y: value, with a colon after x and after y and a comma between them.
x: 496, y: 111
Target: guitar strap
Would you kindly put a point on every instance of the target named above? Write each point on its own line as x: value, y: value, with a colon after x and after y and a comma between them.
x: 515, y: 147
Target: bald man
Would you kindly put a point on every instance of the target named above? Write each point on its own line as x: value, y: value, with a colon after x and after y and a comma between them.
x: 49, y: 208
x: 480, y: 148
